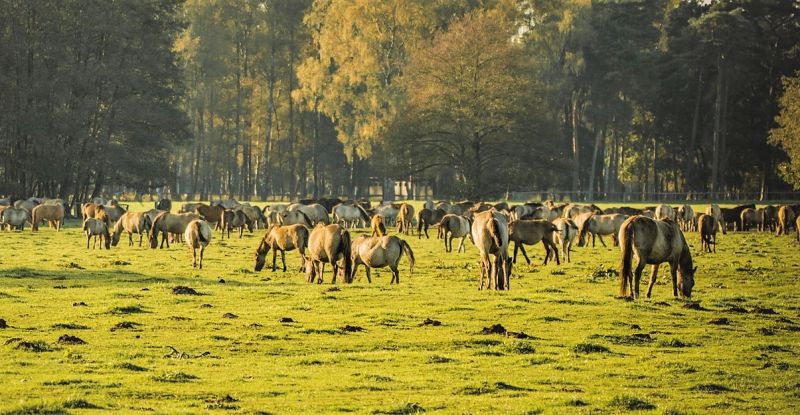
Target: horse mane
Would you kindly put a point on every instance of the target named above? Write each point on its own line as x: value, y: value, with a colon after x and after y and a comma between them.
x: 344, y: 248
x: 363, y: 212
x: 305, y: 217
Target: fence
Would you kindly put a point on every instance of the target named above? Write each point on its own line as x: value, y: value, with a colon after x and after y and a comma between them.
x: 583, y: 196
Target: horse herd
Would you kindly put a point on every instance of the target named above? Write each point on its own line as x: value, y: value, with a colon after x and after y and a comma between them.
x: 319, y: 231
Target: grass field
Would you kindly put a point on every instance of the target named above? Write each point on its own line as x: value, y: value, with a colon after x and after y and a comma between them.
x: 733, y: 350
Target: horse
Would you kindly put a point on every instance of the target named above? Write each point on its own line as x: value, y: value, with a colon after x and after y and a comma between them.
x: 53, y: 214
x: 167, y: 223
x: 282, y: 238
x: 447, y: 207
x: 734, y: 215
x: 708, y: 233
x: 769, y: 218
x: 654, y: 242
x: 665, y: 212
x: 797, y: 228
x: 379, y: 252
x: 715, y: 212
x: 686, y: 218
x: 573, y: 210
x: 404, y: 219
x: 210, y: 214
x: 227, y: 204
x: 198, y: 234
x: 389, y: 213
x: 428, y: 205
x: 93, y: 227
x: 234, y: 219
x: 294, y: 217
x: 164, y: 204
x: 316, y: 212
x: 15, y: 218
x: 750, y: 217
x: 271, y: 213
x: 189, y: 207
x: 786, y: 218
x: 90, y: 210
x: 350, y: 215
x: 27, y: 204
x: 599, y: 225
x: 530, y: 232
x: 377, y: 226
x: 454, y: 226
x: 131, y: 222
x: 254, y: 215
x: 113, y: 213
x: 326, y: 244
x: 565, y: 234
x: 490, y: 235
x: 427, y: 218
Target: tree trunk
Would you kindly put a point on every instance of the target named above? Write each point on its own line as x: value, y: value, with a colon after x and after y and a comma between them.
x: 598, y: 139
x: 717, y: 129
x: 689, y: 165
x: 576, y: 180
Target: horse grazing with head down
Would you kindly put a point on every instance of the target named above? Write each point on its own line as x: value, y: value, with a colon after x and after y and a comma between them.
x: 404, y: 219
x: 282, y: 238
x: 654, y: 242
x: 96, y: 228
x: 377, y: 226
x: 427, y: 218
x: 131, y: 222
x: 379, y: 252
x: 326, y: 244
x: 708, y: 233
x: 451, y: 227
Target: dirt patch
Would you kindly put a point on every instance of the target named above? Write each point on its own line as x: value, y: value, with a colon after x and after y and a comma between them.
x: 184, y: 290
x: 721, y: 321
x: 222, y: 402
x: 229, y: 315
x: 206, y: 306
x: 694, y: 306
x: 587, y: 348
x: 125, y: 325
x: 431, y: 322
x: 3, y: 324
x: 763, y: 310
x: 499, y: 329
x: 333, y: 289
x: 221, y: 281
x: 352, y: 329
x: 736, y: 309
x: 636, y: 327
x: 662, y: 304
x: 286, y: 320
x: 711, y: 388
x: 69, y: 339
x: 37, y: 346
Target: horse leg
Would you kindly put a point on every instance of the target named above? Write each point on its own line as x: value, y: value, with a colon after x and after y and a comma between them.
x: 525, y: 254
x: 369, y: 274
x: 673, y: 269
x: 546, y: 252
x: 202, y: 251
x: 283, y: 259
x: 602, y: 241
x: 426, y: 231
x: 637, y: 278
x: 321, y: 267
x: 88, y: 237
x: 516, y: 248
x: 652, y: 280
x: 461, y: 247
x: 274, y: 258
x: 554, y: 247
x: 194, y: 257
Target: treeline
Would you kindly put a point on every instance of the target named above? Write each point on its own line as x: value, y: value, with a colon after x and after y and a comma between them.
x: 279, y: 98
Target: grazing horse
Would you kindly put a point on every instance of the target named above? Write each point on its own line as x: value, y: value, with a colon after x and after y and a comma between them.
x: 388, y: 212
x: 490, y: 235
x: 572, y: 210
x: 131, y: 222
x: 566, y: 231
x: 15, y: 218
x: 350, y: 215
x: 797, y: 228
x: 234, y: 219
x: 786, y: 217
x: 282, y: 238
x: 197, y: 235
x: 708, y: 233
x: 531, y: 232
x: 686, y: 218
x: 326, y: 244
x: 96, y: 228
x: 294, y: 217
x: 92, y: 210
x: 379, y: 252
x: 749, y: 218
x: 654, y: 242
x: 715, y: 212
x: 190, y: 207
x: 769, y: 218
x: 164, y: 204
x: 599, y: 225
x: 210, y: 214
x: 316, y: 212
x: 377, y: 226
x: 665, y: 212
x: 166, y: 223
x: 404, y: 219
x: 427, y: 218
x: 451, y: 227
x: 53, y: 214
x: 255, y: 217
x: 428, y: 205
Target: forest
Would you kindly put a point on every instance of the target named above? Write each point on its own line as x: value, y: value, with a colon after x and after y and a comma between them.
x: 265, y: 99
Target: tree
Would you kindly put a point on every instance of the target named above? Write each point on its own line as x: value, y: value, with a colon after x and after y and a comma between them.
x: 787, y: 134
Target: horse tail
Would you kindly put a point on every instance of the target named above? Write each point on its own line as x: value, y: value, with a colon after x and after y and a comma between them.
x: 419, y: 221
x: 199, y: 230
x: 35, y: 219
x: 85, y: 225
x: 407, y: 250
x: 493, y: 227
x: 344, y: 248
x: 626, y: 273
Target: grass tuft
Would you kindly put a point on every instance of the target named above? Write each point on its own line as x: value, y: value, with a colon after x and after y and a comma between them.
x: 631, y: 403
x: 587, y: 348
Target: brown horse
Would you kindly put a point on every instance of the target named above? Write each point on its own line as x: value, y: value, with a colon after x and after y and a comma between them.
x: 654, y: 242
x: 282, y: 238
x: 404, y: 219
x: 377, y: 226
x: 786, y: 218
x: 53, y: 214
x: 750, y: 218
x: 379, y: 252
x: 131, y: 222
x: 708, y: 233
x: 197, y: 235
x: 93, y: 227
x: 531, y: 231
x: 326, y: 244
x: 167, y: 223
x: 490, y: 235
x: 427, y: 218
x: 210, y: 214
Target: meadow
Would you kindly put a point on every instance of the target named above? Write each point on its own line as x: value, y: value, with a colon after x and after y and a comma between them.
x: 96, y: 331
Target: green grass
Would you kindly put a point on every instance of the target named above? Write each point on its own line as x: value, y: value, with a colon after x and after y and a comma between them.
x: 148, y: 348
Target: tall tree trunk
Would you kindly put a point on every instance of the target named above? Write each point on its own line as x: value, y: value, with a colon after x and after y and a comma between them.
x: 598, y: 139
x: 576, y: 180
x: 717, y: 128
x: 689, y: 165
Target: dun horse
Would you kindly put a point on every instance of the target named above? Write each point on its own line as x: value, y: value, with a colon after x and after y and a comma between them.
x: 708, y: 233
x: 490, y: 234
x: 565, y: 234
x: 96, y: 228
x: 377, y: 226
x: 167, y: 223
x: 451, y: 227
x: 282, y: 238
x: 197, y: 236
x: 531, y: 232
x: 53, y: 214
x: 404, y: 219
x: 599, y: 225
x: 786, y: 218
x: 379, y: 252
x: 427, y: 218
x: 327, y: 244
x: 131, y: 222
x: 654, y: 242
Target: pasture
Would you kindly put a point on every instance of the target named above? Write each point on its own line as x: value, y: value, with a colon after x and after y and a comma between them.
x: 268, y: 342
